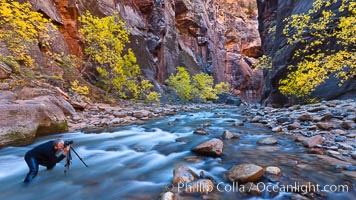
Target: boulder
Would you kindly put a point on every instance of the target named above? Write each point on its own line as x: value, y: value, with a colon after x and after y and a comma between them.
x: 244, y: 173
x: 212, y: 147
x: 227, y: 135
x: 267, y: 141
x: 168, y: 196
x: 313, y: 141
x: 273, y: 170
x: 305, y: 117
x: 229, y: 99
x: 199, y: 186
x: 201, y: 131
x: 183, y: 175
x: 23, y: 119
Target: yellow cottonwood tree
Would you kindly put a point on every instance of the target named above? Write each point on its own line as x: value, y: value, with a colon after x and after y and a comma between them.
x: 21, y: 27
x: 317, y: 64
x: 105, y: 41
x: 200, y: 85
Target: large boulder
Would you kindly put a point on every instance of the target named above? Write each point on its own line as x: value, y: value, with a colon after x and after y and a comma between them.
x: 244, y: 173
x: 229, y: 99
x: 212, y: 147
x: 23, y: 118
x: 183, y: 175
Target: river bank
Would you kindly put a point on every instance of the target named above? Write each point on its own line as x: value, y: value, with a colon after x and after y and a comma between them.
x: 327, y: 129
x: 106, y: 115
x: 136, y: 161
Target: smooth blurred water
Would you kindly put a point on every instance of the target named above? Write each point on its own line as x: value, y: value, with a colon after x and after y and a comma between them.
x: 137, y: 162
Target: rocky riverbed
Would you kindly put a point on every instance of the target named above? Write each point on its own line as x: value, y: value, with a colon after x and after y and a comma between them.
x: 201, y: 153
x: 106, y: 115
x: 326, y: 129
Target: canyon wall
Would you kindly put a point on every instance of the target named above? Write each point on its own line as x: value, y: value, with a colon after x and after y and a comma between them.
x: 274, y: 43
x: 219, y: 37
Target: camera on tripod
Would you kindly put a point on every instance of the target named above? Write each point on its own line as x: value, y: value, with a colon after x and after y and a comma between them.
x: 68, y: 142
x: 69, y: 156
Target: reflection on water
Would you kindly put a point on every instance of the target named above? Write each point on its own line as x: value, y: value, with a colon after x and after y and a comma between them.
x: 137, y: 162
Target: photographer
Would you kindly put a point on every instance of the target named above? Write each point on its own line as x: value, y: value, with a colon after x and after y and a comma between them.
x: 45, y: 155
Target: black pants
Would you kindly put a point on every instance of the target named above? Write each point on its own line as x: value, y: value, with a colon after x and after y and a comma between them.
x: 33, y: 166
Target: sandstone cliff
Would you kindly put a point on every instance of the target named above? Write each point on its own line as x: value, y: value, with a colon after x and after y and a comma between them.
x: 214, y: 36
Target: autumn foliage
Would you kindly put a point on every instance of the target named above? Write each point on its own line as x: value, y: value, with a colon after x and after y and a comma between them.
x: 105, y: 41
x: 316, y: 29
x: 199, y: 86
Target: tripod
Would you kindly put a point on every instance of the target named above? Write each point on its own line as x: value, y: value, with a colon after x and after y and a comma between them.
x: 69, y: 159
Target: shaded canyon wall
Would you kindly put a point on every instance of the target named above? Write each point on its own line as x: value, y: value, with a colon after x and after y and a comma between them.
x: 271, y: 14
x: 213, y: 36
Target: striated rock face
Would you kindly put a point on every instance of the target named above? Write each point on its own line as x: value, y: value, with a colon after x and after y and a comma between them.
x: 29, y: 113
x: 271, y: 15
x: 213, y: 36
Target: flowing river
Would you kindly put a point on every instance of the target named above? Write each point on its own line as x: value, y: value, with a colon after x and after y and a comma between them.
x: 136, y: 162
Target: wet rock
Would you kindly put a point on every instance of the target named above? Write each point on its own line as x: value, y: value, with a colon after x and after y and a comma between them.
x: 212, y: 147
x: 327, y: 116
x: 295, y: 107
x: 261, y: 113
x: 323, y: 125
x: 239, y: 123
x: 339, y: 132
x: 120, y: 114
x: 313, y: 141
x: 201, y: 131
x: 256, y: 119
x: 351, y: 117
x: 294, y: 126
x: 244, y: 173
x: 273, y: 170
x: 348, y: 124
x: 227, y: 135
x: 334, y: 153
x: 183, y: 175
x: 305, y: 117
x: 351, y: 135
x: 351, y: 174
x: 277, y: 129
x: 332, y: 160
x: 251, y: 188
x: 345, y: 167
x: 282, y: 119
x: 267, y: 141
x: 334, y: 148
x: 353, y: 155
x: 168, y: 196
x: 199, y: 186
x: 318, y: 151
x: 141, y: 114
x: 300, y: 138
x: 340, y: 138
x: 316, y: 109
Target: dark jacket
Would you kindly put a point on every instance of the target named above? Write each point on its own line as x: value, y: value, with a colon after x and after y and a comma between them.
x: 45, y: 154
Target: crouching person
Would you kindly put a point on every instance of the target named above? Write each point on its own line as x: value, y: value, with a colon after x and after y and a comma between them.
x: 45, y: 155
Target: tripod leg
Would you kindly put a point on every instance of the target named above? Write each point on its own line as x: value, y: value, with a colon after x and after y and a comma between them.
x: 78, y: 156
